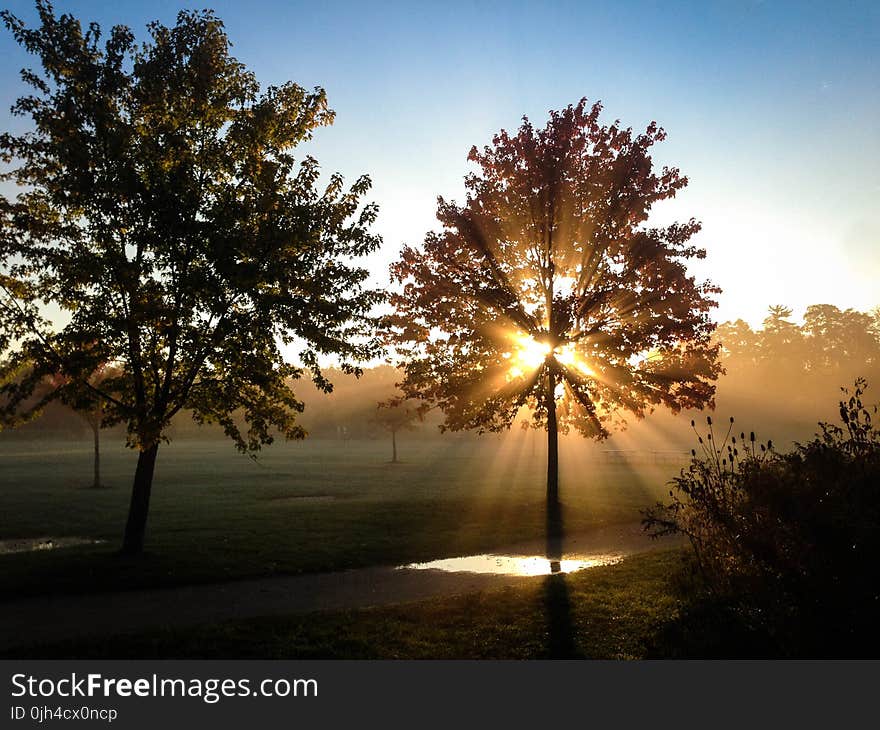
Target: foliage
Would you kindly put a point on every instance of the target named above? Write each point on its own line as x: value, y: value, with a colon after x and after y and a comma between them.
x: 161, y: 208
x: 395, y: 415
x: 549, y: 274
x: 830, y: 342
x: 789, y: 539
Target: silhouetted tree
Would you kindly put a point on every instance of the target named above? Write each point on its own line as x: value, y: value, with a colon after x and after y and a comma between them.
x: 85, y: 401
x: 781, y: 339
x: 162, y: 209
x: 740, y: 345
x: 839, y: 338
x: 547, y: 288
x: 830, y: 341
x: 395, y: 415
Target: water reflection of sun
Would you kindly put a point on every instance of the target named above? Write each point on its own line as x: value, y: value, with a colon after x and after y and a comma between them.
x: 522, y: 565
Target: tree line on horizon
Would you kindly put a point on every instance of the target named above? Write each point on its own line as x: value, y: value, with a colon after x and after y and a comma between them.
x: 780, y: 374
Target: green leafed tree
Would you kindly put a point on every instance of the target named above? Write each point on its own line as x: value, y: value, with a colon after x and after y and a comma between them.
x: 548, y: 288
x: 162, y: 210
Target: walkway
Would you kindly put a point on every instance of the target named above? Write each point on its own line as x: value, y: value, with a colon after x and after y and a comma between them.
x: 47, y: 619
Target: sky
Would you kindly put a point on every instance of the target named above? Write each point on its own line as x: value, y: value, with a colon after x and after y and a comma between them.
x: 771, y: 110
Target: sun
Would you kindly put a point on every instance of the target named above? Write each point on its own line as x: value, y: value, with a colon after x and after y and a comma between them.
x: 529, y: 354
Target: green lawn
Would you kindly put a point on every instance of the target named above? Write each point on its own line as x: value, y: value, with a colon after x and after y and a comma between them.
x: 616, y: 612
x: 307, y: 506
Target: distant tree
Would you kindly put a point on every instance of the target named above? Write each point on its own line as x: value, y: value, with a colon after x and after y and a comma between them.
x: 740, y: 344
x: 782, y: 339
x: 395, y: 415
x: 784, y: 371
x: 840, y: 340
x: 162, y: 210
x: 85, y: 401
x: 547, y: 288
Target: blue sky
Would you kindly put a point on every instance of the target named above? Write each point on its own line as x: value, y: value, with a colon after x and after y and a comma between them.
x: 772, y: 111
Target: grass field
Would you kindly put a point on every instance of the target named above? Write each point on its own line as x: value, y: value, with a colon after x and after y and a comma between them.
x: 306, y: 506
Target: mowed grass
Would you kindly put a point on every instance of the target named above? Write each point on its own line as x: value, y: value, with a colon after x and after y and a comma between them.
x: 302, y: 507
x: 616, y: 612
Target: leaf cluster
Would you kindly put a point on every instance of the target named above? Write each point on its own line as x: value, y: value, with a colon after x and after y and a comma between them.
x: 161, y: 207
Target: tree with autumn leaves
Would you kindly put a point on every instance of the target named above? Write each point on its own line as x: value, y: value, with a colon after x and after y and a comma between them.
x: 549, y: 289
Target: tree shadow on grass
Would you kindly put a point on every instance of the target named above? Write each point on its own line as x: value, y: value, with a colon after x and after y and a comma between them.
x: 557, y: 601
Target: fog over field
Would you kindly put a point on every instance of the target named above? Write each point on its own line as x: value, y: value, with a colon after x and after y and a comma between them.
x: 780, y: 379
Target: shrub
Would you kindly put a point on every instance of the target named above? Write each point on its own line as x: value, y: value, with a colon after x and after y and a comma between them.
x: 788, y: 541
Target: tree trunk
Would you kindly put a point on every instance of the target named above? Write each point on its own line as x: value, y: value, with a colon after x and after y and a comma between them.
x: 554, y: 508
x: 96, y: 432
x: 136, y: 526
x: 394, y: 447
x: 552, y: 440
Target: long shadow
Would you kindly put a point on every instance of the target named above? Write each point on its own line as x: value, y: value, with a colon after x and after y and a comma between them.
x: 557, y: 602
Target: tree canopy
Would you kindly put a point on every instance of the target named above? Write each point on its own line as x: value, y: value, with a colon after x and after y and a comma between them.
x: 161, y: 208
x: 831, y: 342
x: 549, y: 284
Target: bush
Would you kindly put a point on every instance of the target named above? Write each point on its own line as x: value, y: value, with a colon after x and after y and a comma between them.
x: 788, y: 541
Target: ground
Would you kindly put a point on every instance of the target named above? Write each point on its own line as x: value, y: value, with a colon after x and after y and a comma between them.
x: 318, y: 506
x: 621, y: 611
x: 303, y: 507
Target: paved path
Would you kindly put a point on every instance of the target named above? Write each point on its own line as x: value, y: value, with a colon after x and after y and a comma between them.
x: 50, y: 619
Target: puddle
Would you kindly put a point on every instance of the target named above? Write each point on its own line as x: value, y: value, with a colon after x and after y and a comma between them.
x: 523, y: 565
x: 28, y: 545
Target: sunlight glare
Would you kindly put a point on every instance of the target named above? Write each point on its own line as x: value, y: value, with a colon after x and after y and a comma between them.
x: 568, y: 356
x: 530, y: 354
